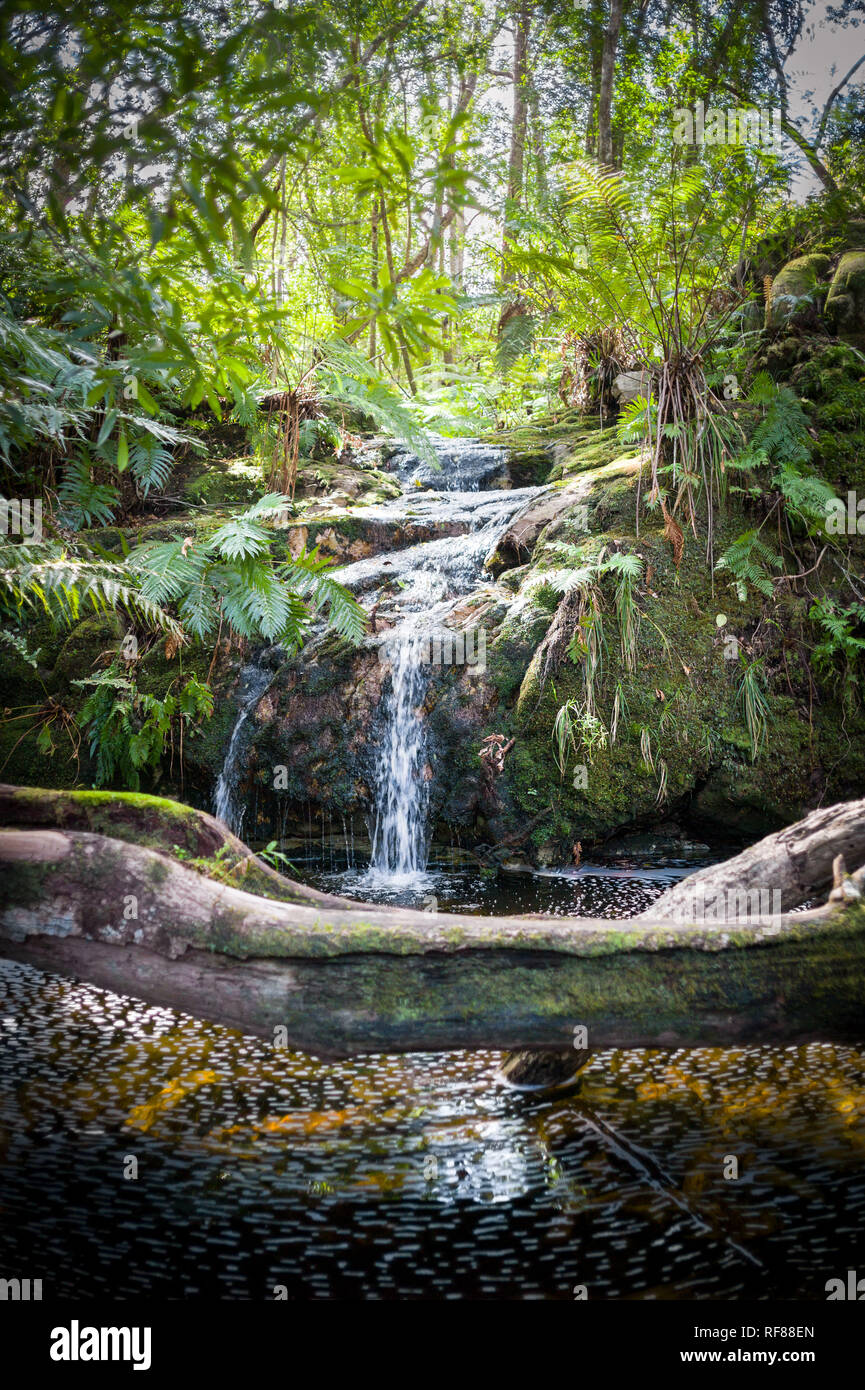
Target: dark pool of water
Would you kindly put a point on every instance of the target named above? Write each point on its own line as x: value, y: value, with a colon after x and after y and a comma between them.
x: 410, y: 1177
x: 589, y: 891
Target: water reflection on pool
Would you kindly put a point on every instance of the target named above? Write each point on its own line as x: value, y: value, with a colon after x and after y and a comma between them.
x: 412, y: 1176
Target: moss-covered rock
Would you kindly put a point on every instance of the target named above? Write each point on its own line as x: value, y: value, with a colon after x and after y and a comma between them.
x: 845, y: 303
x: 797, y: 291
x: 226, y: 482
x: 90, y: 646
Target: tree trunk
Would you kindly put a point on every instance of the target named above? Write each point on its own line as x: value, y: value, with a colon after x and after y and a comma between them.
x: 605, y: 96
x: 373, y: 237
x: 519, y: 124
x: 342, y: 977
x: 398, y: 333
x: 790, y: 866
x: 539, y: 146
x: 514, y: 308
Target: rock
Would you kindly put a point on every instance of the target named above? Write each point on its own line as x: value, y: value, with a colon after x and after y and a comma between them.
x: 845, y: 304
x: 797, y: 290
x: 90, y: 646
x: 544, y: 1069
x: 854, y: 239
x: 516, y: 866
x: 516, y: 545
x: 226, y: 482
x: 629, y: 385
x: 512, y: 579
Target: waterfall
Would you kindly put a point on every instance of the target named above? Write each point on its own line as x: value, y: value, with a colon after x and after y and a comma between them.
x: 399, y: 849
x: 415, y: 591
x: 254, y: 680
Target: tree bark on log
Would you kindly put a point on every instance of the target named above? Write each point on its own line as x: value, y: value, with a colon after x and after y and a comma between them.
x: 346, y: 978
x: 157, y: 822
x: 795, y: 864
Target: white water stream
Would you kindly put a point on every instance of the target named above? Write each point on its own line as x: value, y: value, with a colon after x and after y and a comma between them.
x: 414, y: 592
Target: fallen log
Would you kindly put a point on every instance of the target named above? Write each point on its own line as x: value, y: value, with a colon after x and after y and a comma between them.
x: 164, y: 825
x: 348, y: 978
x: 783, y: 870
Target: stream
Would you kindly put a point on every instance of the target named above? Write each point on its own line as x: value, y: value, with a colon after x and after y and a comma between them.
x: 147, y: 1153
x: 410, y: 1177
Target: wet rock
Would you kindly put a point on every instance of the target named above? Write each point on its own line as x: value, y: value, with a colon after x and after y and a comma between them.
x: 543, y: 1070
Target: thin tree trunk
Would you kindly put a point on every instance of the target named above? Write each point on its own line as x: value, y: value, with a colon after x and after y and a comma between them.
x: 516, y: 160
x: 539, y: 145
x: 373, y: 237
x: 605, y: 97
x: 385, y: 225
x: 455, y: 268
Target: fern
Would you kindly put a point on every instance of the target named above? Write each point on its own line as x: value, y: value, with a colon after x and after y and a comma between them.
x: 629, y: 570
x: 230, y: 575
x: 46, y: 576
x: 83, y: 501
x: 350, y: 379
x: 805, y: 495
x: 839, y: 657
x: 585, y: 574
x: 129, y: 730
x: 18, y: 645
x: 150, y: 463
x: 311, y: 578
x: 747, y: 561
x: 781, y: 440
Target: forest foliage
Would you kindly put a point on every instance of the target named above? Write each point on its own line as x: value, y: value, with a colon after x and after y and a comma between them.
x: 452, y: 215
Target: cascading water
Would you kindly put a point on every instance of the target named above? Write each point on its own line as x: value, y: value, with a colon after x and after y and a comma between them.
x: 227, y: 805
x: 399, y: 848
x: 415, y: 591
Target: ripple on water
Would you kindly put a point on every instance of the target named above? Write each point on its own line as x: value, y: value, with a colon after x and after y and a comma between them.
x: 411, y: 1176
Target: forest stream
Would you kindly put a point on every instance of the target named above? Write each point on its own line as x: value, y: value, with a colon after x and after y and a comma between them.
x: 432, y: 674
x: 265, y: 1173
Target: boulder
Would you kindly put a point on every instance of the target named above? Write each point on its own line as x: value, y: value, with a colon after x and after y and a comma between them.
x: 797, y: 290
x: 518, y: 542
x: 845, y: 304
x: 629, y: 385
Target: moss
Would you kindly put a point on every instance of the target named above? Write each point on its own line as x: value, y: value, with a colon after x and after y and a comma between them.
x: 157, y: 873
x: 683, y: 693
x: 225, y: 482
x: 845, y: 305
x: 529, y: 467
x: 796, y: 290
x: 89, y: 646
x: 46, y: 702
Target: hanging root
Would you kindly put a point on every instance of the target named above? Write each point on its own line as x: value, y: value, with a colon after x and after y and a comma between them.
x: 674, y: 534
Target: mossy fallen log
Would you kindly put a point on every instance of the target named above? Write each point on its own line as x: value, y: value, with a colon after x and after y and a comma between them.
x: 348, y: 978
x: 155, y: 821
